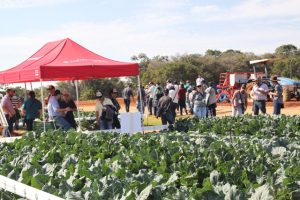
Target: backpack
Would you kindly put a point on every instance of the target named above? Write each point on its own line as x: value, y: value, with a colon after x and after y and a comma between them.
x: 108, y: 113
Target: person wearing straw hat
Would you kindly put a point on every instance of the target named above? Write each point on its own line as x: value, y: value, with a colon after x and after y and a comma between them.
x: 277, y: 96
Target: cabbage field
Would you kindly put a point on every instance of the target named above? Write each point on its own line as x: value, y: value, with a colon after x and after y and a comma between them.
x: 222, y: 158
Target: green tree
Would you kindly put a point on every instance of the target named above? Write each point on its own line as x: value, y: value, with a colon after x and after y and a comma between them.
x: 286, y: 49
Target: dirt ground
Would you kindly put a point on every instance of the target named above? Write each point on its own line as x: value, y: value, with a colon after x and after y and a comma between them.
x: 291, y: 108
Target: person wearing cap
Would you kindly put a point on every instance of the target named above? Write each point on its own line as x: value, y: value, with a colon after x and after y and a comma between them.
x: 56, y: 113
x: 211, y: 100
x: 259, y: 93
x: 126, y: 94
x: 8, y: 109
x: 199, y: 102
x: 68, y: 102
x: 164, y: 110
x: 239, y: 101
x: 277, y: 96
x: 103, y: 107
x: 113, y: 97
x: 31, y: 110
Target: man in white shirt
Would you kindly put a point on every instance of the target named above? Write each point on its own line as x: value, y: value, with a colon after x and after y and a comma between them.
x: 173, y: 93
x: 199, y: 80
x: 151, y: 93
x: 56, y: 113
x: 259, y: 93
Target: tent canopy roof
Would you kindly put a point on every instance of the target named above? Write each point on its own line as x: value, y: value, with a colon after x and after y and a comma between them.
x: 66, y: 60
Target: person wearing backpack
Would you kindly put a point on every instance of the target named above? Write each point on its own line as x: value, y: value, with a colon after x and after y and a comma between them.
x: 104, y: 112
x: 31, y: 110
x: 239, y: 101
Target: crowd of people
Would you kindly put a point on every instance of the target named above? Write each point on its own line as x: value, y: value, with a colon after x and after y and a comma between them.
x: 161, y: 100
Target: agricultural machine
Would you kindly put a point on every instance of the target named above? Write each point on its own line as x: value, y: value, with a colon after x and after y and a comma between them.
x: 231, y: 81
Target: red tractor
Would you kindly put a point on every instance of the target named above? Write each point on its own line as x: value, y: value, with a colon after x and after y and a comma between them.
x: 229, y: 82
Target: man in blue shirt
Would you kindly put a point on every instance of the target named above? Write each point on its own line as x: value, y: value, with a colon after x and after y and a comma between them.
x: 56, y: 113
x: 31, y: 110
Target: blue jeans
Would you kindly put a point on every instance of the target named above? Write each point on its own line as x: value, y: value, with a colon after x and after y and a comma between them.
x: 138, y: 106
x: 62, y: 123
x: 150, y: 105
x: 277, y: 107
x: 167, y: 118
x: 105, y: 125
x: 259, y: 105
x: 127, y: 104
x: 200, y: 112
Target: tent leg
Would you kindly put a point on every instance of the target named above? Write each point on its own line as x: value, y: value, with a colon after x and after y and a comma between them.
x: 141, y: 100
x: 77, y: 102
x: 43, y: 105
x: 31, y: 86
x: 25, y: 92
x: 140, y: 92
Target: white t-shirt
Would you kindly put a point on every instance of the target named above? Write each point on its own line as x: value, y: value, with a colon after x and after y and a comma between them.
x: 52, y: 107
x: 174, y: 94
x: 257, y: 95
x: 99, y: 106
x: 199, y: 81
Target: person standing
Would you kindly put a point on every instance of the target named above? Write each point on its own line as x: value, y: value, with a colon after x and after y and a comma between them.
x: 157, y: 96
x: 31, y: 110
x: 8, y: 109
x: 211, y: 101
x: 150, y: 92
x: 104, y: 112
x: 199, y: 80
x: 239, y: 101
x: 277, y: 96
x: 259, y: 92
x: 181, y: 99
x: 165, y: 108
x: 56, y: 113
x: 139, y: 104
x: 67, y: 102
x: 173, y: 93
x: 199, y: 102
x: 126, y: 94
x: 113, y: 97
x: 16, y: 102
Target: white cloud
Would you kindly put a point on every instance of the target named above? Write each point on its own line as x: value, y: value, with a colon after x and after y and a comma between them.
x: 29, y: 3
x: 164, y: 33
x: 252, y: 9
x: 205, y: 9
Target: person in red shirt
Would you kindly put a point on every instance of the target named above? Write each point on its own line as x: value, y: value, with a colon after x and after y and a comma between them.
x: 181, y: 99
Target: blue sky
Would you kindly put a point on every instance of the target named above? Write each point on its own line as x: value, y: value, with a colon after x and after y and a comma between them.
x: 119, y: 29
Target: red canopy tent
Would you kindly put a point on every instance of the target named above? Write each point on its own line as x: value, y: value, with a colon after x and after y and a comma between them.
x: 66, y: 60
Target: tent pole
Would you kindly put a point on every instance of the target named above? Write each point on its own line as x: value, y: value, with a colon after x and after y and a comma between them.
x: 43, y: 105
x: 77, y: 102
x: 141, y: 100
x: 140, y: 92
x: 25, y: 92
x: 31, y: 86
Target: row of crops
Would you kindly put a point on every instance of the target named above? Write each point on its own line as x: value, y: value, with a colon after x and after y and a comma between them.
x: 222, y: 158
